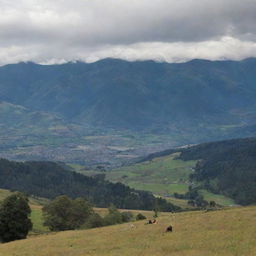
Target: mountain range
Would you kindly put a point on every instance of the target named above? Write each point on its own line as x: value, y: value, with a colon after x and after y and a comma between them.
x: 190, y: 102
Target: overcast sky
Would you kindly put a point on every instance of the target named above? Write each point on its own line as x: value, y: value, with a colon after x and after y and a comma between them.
x: 56, y: 31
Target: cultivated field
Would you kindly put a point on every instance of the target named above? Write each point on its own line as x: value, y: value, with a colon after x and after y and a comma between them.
x: 229, y: 232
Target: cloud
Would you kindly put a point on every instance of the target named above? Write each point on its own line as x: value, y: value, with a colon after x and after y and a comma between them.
x: 170, y: 30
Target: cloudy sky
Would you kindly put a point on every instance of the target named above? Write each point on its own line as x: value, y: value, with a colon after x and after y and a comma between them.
x: 55, y: 31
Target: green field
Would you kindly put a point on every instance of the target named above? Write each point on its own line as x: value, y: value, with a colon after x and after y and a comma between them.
x: 37, y: 220
x: 220, y: 233
x: 219, y: 199
x: 162, y: 176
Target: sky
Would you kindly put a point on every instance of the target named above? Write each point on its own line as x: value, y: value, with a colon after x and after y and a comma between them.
x: 58, y: 31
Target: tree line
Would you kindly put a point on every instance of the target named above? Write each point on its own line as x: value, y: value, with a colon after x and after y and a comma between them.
x: 49, y: 180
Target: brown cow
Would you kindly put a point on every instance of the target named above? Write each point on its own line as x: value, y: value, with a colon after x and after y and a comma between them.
x: 169, y: 229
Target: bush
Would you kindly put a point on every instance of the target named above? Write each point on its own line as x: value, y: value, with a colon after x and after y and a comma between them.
x: 127, y: 216
x: 140, y: 217
x: 94, y: 221
x: 113, y: 216
x: 14, y: 218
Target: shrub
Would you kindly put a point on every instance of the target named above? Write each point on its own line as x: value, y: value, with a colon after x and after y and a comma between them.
x: 140, y: 217
x: 127, y: 216
x: 113, y: 216
x: 94, y: 221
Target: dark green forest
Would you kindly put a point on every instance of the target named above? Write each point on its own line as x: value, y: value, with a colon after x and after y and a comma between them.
x: 226, y: 167
x: 48, y: 179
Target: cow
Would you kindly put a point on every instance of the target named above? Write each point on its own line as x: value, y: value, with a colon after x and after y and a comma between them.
x: 169, y: 229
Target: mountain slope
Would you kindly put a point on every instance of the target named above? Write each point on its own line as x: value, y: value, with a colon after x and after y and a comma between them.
x: 19, y: 117
x: 122, y: 94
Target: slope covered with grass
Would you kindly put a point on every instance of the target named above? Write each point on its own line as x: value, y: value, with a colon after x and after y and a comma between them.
x: 163, y: 175
x: 228, y: 232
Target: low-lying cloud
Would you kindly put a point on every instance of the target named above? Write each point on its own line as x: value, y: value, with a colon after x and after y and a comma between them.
x: 47, y: 31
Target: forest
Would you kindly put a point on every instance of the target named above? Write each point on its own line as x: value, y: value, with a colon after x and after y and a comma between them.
x: 226, y: 167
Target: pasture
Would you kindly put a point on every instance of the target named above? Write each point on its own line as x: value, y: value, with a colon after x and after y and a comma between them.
x: 229, y: 232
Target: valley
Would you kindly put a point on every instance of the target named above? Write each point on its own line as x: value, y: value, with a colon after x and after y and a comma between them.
x: 163, y: 176
x: 112, y: 111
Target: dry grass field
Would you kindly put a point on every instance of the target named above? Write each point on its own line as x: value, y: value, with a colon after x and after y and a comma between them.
x: 229, y: 232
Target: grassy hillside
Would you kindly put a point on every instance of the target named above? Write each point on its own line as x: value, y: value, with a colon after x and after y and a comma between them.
x: 227, y: 232
x: 162, y: 176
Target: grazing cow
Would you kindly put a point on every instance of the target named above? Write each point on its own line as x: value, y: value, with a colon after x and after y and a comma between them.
x: 154, y: 221
x: 168, y: 229
x: 150, y: 222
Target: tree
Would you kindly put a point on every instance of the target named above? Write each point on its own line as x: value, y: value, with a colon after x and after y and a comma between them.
x: 64, y: 213
x: 14, y: 218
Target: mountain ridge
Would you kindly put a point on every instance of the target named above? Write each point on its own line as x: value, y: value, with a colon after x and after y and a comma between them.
x: 80, y: 91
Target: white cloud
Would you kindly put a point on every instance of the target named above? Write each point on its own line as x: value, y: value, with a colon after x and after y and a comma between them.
x: 171, y: 30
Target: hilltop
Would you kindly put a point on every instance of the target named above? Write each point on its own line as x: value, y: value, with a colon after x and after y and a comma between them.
x: 226, y: 232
